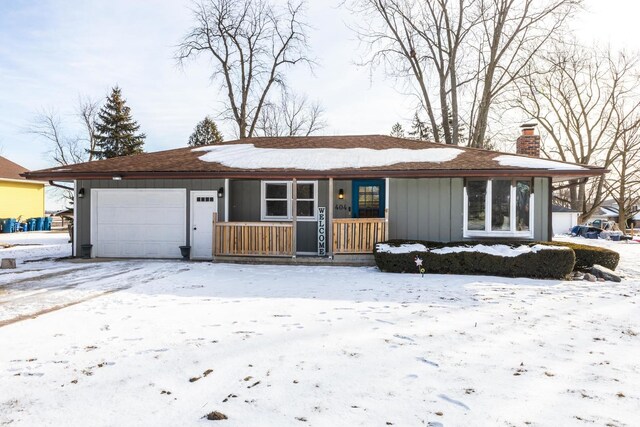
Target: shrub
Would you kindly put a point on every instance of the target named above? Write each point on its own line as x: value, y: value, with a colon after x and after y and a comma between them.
x: 552, y: 264
x: 587, y: 256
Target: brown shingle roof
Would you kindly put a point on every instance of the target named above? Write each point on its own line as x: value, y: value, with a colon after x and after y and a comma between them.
x: 186, y: 163
x: 10, y: 170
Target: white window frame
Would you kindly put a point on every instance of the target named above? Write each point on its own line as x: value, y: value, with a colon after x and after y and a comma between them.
x: 289, y: 217
x: 487, y: 232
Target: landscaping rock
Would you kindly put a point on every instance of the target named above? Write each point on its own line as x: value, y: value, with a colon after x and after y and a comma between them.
x: 215, y: 416
x: 7, y: 263
x: 590, y: 277
x: 604, y: 273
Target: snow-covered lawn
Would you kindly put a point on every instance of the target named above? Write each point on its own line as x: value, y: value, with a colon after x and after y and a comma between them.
x: 318, y: 346
x: 35, y: 245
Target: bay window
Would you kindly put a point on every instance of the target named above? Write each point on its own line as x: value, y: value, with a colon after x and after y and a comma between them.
x: 277, y: 200
x: 498, y: 207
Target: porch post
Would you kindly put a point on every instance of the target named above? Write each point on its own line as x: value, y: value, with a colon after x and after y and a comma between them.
x: 386, y: 209
x: 226, y: 200
x: 329, y: 239
x: 294, y: 215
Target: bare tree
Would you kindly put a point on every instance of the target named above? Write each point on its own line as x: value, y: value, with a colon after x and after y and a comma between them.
x: 88, y: 112
x: 251, y: 43
x: 583, y: 99
x: 65, y: 150
x: 623, y: 180
x: 458, y: 55
x: 293, y: 115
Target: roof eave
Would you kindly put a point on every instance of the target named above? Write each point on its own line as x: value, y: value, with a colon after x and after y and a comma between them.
x: 344, y: 174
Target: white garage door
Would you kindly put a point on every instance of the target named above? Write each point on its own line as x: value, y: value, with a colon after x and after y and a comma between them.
x: 138, y: 223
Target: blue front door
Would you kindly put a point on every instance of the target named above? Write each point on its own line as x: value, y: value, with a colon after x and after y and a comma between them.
x: 368, y: 198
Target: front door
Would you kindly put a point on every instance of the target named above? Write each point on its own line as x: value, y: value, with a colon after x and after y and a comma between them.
x: 368, y: 198
x: 203, y: 206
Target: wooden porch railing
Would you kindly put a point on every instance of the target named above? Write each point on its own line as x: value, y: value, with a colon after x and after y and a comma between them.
x: 253, y: 238
x: 357, y: 235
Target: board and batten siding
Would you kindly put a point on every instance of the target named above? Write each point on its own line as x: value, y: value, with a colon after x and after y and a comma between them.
x: 426, y: 209
x: 83, y: 227
x: 432, y: 209
x: 541, y: 209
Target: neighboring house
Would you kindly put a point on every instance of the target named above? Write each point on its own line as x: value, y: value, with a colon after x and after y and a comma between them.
x: 563, y: 219
x: 19, y: 197
x: 262, y: 196
x: 609, y: 211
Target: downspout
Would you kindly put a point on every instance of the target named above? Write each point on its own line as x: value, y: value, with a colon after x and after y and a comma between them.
x: 75, y: 215
x: 64, y: 187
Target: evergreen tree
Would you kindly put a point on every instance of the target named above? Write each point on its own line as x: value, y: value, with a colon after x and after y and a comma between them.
x: 397, y: 130
x: 116, y: 132
x: 419, y: 129
x: 205, y: 133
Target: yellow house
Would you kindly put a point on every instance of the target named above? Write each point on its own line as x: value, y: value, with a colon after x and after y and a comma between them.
x: 19, y: 197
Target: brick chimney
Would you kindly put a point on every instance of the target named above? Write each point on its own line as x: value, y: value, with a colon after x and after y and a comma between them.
x: 528, y: 143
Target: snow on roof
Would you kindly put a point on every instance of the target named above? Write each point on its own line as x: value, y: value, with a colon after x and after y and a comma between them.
x: 534, y: 163
x: 248, y: 156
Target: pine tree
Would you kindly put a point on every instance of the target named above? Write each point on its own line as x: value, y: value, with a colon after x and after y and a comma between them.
x: 419, y: 130
x: 397, y: 130
x: 205, y: 133
x: 116, y: 132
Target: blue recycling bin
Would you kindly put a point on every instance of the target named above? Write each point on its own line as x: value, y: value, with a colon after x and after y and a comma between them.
x: 8, y: 225
x: 47, y: 223
x: 39, y: 224
x: 31, y: 224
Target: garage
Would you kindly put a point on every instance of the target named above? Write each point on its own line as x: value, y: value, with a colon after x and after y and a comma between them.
x: 138, y: 223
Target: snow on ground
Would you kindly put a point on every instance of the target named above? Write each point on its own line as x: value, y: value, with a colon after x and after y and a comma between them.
x: 35, y: 245
x: 322, y: 346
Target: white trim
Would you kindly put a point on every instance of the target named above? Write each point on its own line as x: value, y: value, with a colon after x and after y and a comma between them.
x: 76, y: 201
x: 289, y: 217
x: 488, y: 232
x: 226, y: 200
x: 192, y: 196
x: 263, y: 201
x: 386, y: 196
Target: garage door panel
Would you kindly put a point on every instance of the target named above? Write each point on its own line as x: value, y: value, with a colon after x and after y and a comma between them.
x: 139, y: 223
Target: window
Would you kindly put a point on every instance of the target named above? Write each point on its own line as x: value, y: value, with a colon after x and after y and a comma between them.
x: 277, y: 197
x: 369, y: 201
x: 498, y: 207
x: 306, y: 199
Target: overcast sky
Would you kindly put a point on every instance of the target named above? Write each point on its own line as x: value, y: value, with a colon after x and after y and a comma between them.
x: 53, y: 51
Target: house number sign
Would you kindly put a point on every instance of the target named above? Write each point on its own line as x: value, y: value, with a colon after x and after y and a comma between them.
x: 322, y: 231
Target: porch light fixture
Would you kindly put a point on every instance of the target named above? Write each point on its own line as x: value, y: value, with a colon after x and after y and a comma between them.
x: 81, y: 193
x: 341, y: 194
x: 117, y: 178
x: 220, y: 192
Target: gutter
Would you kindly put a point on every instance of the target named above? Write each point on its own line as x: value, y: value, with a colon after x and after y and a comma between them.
x: 64, y: 187
x: 262, y: 174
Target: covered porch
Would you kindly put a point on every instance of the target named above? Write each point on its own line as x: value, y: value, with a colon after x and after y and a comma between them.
x: 326, y: 220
